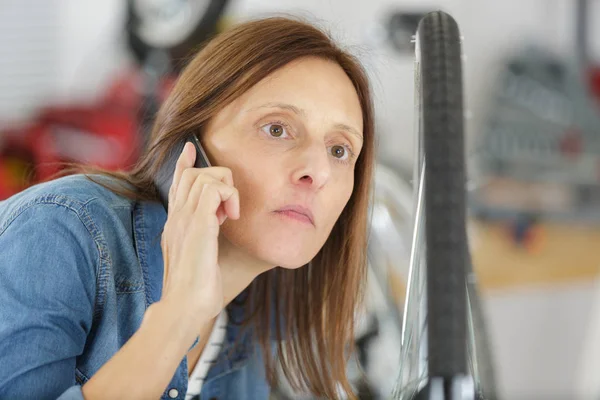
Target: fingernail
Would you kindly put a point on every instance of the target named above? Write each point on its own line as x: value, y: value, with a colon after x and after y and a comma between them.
x: 192, y: 153
x: 183, y: 151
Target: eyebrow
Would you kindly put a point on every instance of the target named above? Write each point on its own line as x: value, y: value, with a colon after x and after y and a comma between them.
x: 301, y: 112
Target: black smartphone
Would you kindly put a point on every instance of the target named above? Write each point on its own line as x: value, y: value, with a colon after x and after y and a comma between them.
x: 164, y: 177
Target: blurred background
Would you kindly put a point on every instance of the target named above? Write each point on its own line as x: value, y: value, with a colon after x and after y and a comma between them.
x: 80, y: 81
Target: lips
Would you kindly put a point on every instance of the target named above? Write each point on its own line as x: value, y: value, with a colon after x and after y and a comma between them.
x: 296, y: 211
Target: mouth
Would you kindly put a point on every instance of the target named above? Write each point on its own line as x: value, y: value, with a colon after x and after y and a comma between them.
x: 297, y: 213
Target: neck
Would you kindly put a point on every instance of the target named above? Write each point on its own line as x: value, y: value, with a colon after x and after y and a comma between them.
x: 238, y: 269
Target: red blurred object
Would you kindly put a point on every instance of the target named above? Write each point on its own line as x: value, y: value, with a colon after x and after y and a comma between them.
x: 106, y: 134
x: 571, y: 144
x: 594, y: 81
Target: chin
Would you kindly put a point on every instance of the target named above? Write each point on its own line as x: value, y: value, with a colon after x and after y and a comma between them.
x: 287, y: 249
x: 286, y: 256
x: 277, y: 244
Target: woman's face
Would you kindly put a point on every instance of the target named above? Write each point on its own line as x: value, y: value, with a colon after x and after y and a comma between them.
x: 291, y: 142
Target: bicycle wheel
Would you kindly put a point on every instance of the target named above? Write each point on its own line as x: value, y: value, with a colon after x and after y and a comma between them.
x: 435, y: 349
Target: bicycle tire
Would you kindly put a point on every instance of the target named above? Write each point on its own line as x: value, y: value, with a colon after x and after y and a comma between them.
x: 441, y: 146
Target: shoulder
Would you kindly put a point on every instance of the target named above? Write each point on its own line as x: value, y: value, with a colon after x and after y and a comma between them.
x: 78, y: 194
x: 57, y: 247
x: 49, y: 236
x: 72, y: 214
x: 73, y: 190
x: 70, y: 226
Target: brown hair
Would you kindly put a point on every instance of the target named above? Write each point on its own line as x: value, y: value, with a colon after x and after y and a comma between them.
x: 315, y: 305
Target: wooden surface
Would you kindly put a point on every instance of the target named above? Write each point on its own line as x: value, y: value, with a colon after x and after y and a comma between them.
x: 556, y: 254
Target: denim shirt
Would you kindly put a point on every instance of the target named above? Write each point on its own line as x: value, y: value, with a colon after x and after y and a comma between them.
x: 79, y: 266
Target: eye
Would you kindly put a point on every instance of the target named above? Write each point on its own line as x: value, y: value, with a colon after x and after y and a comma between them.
x: 276, y: 130
x: 340, y: 152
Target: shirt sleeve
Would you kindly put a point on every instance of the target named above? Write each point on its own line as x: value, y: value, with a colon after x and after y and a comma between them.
x: 48, y: 264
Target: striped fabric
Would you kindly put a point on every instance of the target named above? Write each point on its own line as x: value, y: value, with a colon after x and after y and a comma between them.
x: 208, y: 357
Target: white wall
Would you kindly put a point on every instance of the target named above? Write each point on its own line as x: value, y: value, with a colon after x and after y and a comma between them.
x: 91, y: 48
x: 539, y: 342
x: 57, y: 51
x: 28, y: 53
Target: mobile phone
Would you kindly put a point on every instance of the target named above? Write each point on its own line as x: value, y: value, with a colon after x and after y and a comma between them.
x: 164, y: 177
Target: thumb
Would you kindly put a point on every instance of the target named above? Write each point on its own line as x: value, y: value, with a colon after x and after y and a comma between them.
x: 163, y: 245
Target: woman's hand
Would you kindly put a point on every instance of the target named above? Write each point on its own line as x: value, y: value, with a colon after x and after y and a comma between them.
x: 200, y: 200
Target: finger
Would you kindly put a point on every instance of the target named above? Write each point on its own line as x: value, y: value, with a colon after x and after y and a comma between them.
x: 186, y: 160
x: 198, y: 187
x: 190, y: 188
x: 195, y: 177
x: 222, y: 174
x: 211, y: 197
x: 189, y: 176
x: 232, y: 206
x: 165, y: 263
x: 221, y: 214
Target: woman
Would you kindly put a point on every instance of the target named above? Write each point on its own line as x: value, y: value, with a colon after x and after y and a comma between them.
x: 261, y: 257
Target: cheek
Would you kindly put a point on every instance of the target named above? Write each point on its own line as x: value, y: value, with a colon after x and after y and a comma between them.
x: 253, y: 179
x: 256, y: 185
x: 339, y: 199
x: 265, y: 237
x: 256, y: 188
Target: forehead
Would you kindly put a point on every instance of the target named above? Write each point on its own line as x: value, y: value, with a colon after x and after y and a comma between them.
x: 317, y: 86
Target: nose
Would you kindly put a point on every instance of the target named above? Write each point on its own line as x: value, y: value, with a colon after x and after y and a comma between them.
x: 313, y: 167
